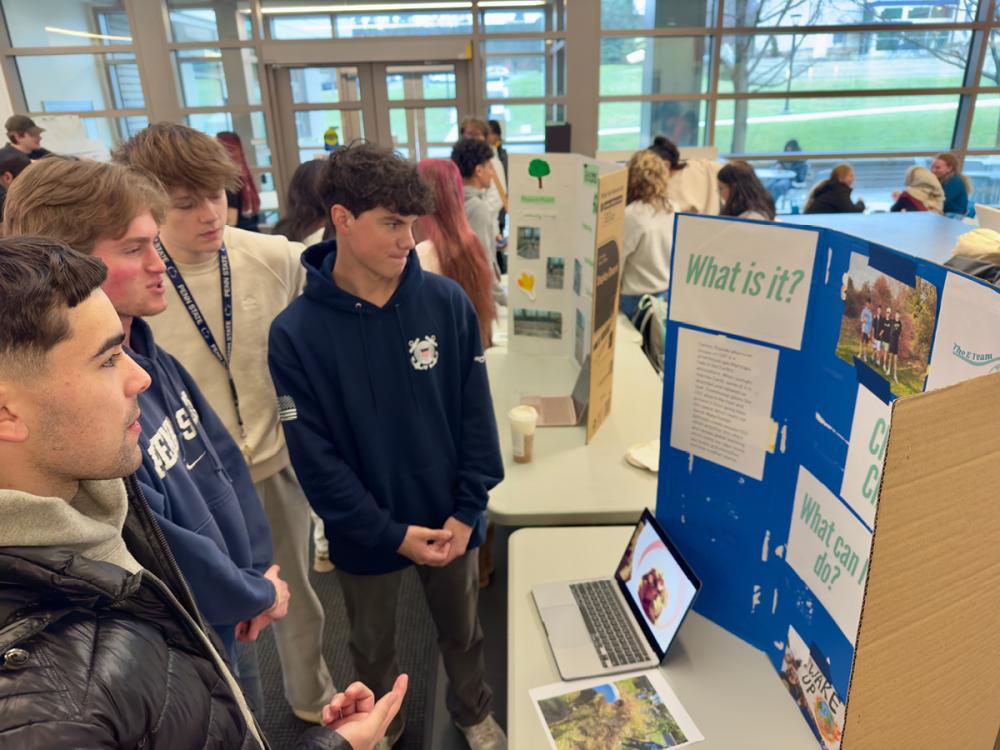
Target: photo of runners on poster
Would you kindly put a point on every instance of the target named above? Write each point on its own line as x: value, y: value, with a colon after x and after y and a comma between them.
x: 888, y: 325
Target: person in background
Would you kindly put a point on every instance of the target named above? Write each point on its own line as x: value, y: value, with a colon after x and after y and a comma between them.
x: 447, y: 245
x: 243, y: 203
x: 24, y: 136
x: 799, y: 168
x: 305, y: 218
x: 649, y: 230
x: 867, y: 319
x: 192, y: 472
x: 833, y: 195
x: 742, y: 193
x: 477, y: 129
x: 923, y: 192
x: 495, y: 139
x: 692, y: 187
x: 393, y: 433
x: 956, y: 185
x: 225, y: 286
x: 306, y: 221
x: 12, y: 163
x: 104, y: 645
x: 474, y: 157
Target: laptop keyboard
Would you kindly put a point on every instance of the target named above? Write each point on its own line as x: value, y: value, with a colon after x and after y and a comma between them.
x: 608, y: 623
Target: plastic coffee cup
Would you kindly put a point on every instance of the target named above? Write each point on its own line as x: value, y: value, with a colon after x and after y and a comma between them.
x: 523, y: 420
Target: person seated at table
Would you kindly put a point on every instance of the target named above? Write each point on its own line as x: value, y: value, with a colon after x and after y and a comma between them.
x: 691, y: 187
x: 649, y: 231
x: 833, y: 195
x: 923, y: 192
x: 798, y: 169
x: 742, y: 193
x: 955, y: 184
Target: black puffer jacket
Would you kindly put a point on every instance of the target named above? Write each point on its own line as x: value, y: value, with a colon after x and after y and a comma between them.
x: 94, y: 657
x: 833, y: 197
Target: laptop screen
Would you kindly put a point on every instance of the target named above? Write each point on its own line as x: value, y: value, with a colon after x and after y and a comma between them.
x: 656, y: 582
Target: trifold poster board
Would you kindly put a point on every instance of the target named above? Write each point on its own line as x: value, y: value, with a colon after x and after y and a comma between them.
x: 567, y: 216
x: 841, y: 520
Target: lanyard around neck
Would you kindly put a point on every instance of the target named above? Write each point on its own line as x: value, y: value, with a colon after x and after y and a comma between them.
x: 224, y: 357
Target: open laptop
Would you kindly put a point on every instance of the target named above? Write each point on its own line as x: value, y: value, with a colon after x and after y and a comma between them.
x: 625, y: 622
x: 564, y: 411
x: 989, y: 217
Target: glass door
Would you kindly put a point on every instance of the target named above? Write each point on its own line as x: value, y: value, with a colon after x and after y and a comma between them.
x: 413, y: 108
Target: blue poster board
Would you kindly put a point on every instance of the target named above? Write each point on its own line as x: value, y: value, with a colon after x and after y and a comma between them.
x: 775, y: 415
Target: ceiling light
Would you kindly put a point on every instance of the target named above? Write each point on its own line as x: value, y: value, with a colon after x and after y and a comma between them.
x: 87, y: 34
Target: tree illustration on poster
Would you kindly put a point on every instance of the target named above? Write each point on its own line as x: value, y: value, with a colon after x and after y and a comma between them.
x: 539, y: 168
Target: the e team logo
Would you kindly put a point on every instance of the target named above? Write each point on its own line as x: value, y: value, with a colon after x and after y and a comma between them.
x: 976, y: 359
x: 424, y: 353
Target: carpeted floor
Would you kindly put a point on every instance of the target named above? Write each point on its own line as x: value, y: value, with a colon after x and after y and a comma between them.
x: 418, y: 656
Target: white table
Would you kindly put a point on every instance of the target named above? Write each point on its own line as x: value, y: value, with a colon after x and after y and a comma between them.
x: 569, y: 482
x: 728, y: 687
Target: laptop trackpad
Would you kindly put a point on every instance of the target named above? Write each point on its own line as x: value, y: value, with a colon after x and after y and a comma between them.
x: 566, y: 627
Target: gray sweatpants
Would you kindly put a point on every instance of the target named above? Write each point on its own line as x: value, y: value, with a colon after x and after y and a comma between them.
x: 452, y: 593
x: 299, y: 636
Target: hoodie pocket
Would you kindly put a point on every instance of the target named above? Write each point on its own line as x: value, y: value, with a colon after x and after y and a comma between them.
x: 426, y: 496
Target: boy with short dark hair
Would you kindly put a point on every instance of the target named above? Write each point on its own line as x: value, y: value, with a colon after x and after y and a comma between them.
x: 474, y: 159
x: 390, y: 425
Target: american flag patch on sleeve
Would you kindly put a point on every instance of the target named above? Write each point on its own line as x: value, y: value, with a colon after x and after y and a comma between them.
x: 286, y: 409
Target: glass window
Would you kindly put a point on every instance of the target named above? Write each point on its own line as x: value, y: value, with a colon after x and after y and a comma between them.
x: 515, y: 76
x: 984, y: 174
x: 301, y: 27
x: 523, y: 125
x: 71, y: 83
x: 425, y: 132
x: 249, y: 126
x: 648, y: 65
x: 991, y: 65
x: 633, y: 125
x: 420, y: 82
x: 325, y: 85
x: 786, y: 13
x: 402, y: 24
x: 986, y: 122
x: 657, y: 14
x: 837, y: 62
x: 889, y: 123
x: 198, y: 21
x: 513, y: 20
x: 207, y: 76
x: 311, y: 127
x: 33, y: 23
x: 501, y: 46
x: 875, y: 180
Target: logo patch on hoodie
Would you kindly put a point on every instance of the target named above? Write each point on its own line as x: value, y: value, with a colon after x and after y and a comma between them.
x: 424, y: 353
x: 287, y: 411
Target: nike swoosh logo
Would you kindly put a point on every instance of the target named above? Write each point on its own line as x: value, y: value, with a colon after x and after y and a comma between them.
x: 195, y: 462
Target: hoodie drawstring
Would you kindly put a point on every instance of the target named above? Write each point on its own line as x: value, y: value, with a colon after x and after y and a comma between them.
x: 364, y: 346
x: 406, y: 343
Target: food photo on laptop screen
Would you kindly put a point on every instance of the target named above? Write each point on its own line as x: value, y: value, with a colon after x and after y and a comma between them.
x: 658, y: 582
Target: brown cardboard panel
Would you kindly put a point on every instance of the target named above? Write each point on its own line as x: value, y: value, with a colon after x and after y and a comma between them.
x: 927, y: 662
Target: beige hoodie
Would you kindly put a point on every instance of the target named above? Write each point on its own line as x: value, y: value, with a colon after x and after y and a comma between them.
x: 266, y: 275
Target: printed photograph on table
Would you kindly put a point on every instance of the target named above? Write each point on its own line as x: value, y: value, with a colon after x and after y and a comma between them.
x: 636, y: 712
x: 555, y: 273
x: 581, y: 327
x: 544, y: 324
x: 812, y: 692
x: 888, y: 325
x: 577, y: 275
x: 529, y: 242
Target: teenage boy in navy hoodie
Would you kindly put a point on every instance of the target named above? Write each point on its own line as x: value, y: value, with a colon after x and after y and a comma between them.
x: 389, y: 422
x: 192, y: 473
